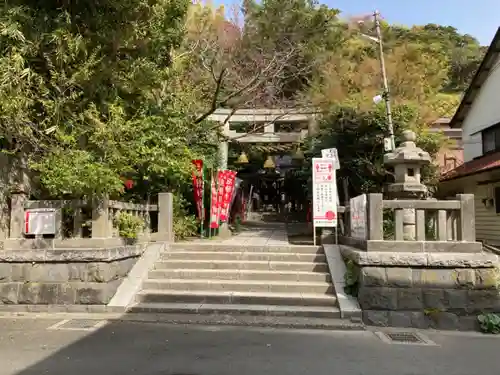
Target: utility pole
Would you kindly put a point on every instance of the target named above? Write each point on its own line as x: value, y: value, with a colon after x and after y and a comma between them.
x: 386, y: 94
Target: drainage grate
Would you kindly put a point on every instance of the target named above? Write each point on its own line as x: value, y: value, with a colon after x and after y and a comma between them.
x: 404, y: 338
x: 78, y: 325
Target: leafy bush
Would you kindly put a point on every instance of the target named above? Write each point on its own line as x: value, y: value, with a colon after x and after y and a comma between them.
x: 185, y: 224
x: 351, y: 278
x: 128, y: 225
x: 489, y: 323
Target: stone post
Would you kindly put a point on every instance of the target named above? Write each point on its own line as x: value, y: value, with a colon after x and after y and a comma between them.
x: 4, y: 215
x: 407, y: 161
x: 467, y: 218
x: 17, y: 216
x: 77, y: 220
x: 409, y: 224
x: 223, y: 154
x: 375, y: 220
x: 223, y: 159
x: 166, y: 217
x: 18, y: 177
x: 224, y: 146
x: 100, y: 218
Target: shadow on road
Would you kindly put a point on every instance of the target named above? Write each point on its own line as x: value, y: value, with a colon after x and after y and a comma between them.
x: 126, y: 348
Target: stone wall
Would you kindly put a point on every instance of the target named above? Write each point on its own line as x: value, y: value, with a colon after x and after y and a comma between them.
x: 426, y: 290
x: 64, y: 277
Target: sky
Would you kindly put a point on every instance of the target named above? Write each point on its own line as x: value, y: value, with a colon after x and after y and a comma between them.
x: 479, y: 18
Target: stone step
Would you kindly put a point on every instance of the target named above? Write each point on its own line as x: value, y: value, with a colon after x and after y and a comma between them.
x: 238, y: 309
x: 209, y: 320
x: 245, y: 248
x: 239, y: 286
x: 227, y: 297
x: 234, y: 255
x: 242, y: 265
x: 238, y: 274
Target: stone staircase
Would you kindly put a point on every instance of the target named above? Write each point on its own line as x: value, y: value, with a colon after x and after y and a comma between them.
x: 231, y: 281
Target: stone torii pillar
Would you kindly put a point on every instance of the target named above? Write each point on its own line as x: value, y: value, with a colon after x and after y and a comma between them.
x: 224, y: 147
x: 407, y: 161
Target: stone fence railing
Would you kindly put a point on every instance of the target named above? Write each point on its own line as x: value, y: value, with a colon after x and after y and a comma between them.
x: 413, y: 225
x: 88, y: 224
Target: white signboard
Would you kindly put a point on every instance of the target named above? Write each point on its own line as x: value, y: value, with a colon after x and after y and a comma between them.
x: 40, y: 221
x: 324, y: 193
x: 357, y: 207
x: 331, y: 153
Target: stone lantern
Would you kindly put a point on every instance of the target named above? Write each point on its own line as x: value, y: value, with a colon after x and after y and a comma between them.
x: 407, y: 161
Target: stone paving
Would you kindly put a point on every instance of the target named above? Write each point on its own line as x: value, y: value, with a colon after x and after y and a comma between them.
x: 265, y: 235
x: 256, y: 234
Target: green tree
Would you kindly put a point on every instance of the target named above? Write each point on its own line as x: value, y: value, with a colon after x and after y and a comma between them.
x: 426, y: 66
x: 359, y: 135
x: 262, y: 57
x: 90, y: 93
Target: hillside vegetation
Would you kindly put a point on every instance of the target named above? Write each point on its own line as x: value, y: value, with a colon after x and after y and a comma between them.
x: 298, y: 53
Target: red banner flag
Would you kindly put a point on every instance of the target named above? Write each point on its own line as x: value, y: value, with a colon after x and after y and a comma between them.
x: 214, y: 217
x: 227, y: 194
x: 198, y: 187
x: 221, y: 182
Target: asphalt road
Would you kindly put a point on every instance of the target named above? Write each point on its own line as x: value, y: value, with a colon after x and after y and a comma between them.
x: 28, y: 347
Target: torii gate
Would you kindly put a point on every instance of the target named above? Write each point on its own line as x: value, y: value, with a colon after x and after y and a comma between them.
x: 304, y: 121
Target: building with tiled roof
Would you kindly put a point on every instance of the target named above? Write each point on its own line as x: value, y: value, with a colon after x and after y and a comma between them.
x: 478, y: 116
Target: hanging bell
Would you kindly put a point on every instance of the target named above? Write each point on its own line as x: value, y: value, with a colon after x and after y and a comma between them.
x: 242, y: 159
x: 269, y: 163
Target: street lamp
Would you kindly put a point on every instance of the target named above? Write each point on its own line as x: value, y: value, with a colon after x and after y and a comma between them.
x: 385, y: 95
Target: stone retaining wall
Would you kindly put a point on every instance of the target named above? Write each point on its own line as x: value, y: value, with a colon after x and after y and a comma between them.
x: 64, y: 277
x: 443, y: 291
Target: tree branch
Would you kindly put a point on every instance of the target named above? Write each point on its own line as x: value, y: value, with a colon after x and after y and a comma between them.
x: 214, y: 105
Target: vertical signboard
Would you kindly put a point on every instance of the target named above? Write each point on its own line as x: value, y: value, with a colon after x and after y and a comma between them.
x: 357, y: 207
x: 324, y: 193
x: 331, y: 153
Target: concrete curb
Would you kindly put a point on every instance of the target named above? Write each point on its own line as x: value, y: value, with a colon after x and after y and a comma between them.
x: 246, y: 321
x: 326, y: 324
x: 131, y: 285
x: 63, y: 309
x: 348, y: 305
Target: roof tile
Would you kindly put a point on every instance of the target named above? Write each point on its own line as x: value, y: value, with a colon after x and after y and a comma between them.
x: 482, y: 164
